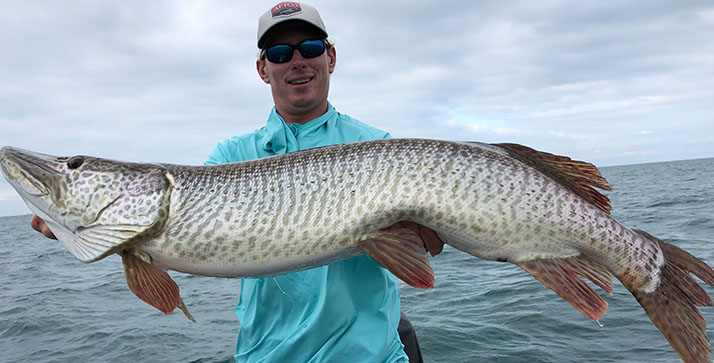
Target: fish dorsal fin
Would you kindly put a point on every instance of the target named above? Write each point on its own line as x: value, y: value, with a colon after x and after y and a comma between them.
x: 151, y: 284
x: 401, y: 251
x: 561, y: 276
x: 578, y: 176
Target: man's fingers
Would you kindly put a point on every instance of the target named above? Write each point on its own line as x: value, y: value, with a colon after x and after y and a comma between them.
x: 39, y: 225
x: 406, y: 224
x: 431, y: 240
x: 48, y: 233
x: 36, y: 223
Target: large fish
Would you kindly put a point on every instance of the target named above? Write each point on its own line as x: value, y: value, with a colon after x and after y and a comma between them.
x: 501, y: 202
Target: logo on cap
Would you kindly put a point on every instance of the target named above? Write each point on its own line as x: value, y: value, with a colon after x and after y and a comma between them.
x: 285, y: 9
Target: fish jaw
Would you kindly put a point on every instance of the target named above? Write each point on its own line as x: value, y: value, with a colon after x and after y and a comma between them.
x: 33, y: 175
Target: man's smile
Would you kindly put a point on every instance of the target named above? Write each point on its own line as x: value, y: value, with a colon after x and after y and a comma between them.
x: 302, y: 80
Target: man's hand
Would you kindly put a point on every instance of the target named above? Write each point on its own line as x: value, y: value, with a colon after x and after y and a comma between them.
x: 39, y: 225
x: 431, y: 240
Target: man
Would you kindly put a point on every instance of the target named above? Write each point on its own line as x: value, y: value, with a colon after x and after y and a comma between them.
x: 345, y: 311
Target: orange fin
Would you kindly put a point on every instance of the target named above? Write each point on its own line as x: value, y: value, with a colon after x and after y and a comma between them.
x: 672, y: 307
x: 152, y: 285
x: 561, y: 276
x: 578, y: 176
x: 401, y: 251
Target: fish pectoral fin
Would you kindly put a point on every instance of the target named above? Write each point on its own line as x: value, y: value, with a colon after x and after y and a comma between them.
x: 96, y: 242
x: 151, y: 284
x: 89, y: 244
x: 401, y: 251
x: 561, y: 276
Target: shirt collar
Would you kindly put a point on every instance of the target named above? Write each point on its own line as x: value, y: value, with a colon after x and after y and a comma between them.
x: 281, y: 137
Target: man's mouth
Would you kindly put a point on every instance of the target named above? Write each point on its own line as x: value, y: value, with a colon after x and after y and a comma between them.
x: 300, y: 80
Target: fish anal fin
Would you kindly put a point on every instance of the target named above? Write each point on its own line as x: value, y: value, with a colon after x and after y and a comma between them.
x: 591, y: 270
x: 151, y: 284
x: 401, y: 251
x: 672, y: 306
x: 562, y: 275
x: 578, y: 176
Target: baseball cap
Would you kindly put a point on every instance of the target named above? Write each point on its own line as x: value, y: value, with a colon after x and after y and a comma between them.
x: 285, y: 12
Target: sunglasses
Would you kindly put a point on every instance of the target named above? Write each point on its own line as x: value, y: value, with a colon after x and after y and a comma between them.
x: 281, y: 53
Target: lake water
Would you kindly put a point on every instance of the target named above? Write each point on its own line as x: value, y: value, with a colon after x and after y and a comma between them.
x: 54, y: 308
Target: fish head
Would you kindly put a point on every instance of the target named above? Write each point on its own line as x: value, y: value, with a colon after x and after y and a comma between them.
x: 92, y: 205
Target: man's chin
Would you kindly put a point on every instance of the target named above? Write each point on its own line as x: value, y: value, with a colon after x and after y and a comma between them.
x: 304, y: 103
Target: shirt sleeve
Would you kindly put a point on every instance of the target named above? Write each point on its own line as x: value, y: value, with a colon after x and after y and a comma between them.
x: 217, y: 156
x: 237, y: 148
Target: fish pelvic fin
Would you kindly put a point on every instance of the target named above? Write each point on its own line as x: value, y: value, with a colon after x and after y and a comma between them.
x: 672, y: 306
x: 401, y: 251
x: 563, y: 275
x: 578, y: 176
x: 151, y: 284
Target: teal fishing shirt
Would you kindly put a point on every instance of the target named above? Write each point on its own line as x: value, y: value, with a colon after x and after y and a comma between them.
x: 347, y: 311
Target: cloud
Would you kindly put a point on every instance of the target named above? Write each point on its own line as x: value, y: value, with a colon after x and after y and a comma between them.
x: 6, y: 195
x: 165, y: 80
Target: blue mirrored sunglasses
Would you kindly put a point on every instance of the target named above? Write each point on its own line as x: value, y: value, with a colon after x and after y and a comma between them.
x: 281, y: 53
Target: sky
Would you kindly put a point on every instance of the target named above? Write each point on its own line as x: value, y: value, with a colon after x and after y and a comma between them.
x: 609, y: 82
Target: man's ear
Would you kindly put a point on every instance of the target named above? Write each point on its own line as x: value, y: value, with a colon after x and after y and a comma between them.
x: 260, y: 64
x: 332, y: 59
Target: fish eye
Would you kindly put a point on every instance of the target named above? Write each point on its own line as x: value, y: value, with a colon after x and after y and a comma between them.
x: 75, y: 162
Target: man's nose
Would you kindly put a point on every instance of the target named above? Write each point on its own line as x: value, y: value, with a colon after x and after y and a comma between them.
x: 297, y: 61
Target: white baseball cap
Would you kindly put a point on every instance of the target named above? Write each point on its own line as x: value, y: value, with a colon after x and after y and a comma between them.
x: 288, y: 12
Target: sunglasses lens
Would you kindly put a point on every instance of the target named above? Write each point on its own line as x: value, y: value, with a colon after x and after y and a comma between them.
x: 279, y: 53
x: 311, y: 48
x: 282, y: 53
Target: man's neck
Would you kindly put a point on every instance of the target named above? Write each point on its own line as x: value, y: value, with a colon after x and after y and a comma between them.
x: 302, y: 118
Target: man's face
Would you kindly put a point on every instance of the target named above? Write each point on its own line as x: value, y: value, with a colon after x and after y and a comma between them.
x: 299, y: 86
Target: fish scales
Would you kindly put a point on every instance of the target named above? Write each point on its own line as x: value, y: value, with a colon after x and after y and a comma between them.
x: 467, y: 192
x: 501, y: 202
x: 238, y: 206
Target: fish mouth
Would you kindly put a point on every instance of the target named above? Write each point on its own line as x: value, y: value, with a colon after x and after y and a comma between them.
x: 30, y: 173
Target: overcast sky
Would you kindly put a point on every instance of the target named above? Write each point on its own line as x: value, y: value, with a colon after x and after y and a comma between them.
x: 610, y: 82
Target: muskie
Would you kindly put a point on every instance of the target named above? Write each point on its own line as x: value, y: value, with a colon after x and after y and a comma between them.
x: 501, y: 202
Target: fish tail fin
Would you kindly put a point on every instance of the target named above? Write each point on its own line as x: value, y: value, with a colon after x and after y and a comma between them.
x: 672, y: 306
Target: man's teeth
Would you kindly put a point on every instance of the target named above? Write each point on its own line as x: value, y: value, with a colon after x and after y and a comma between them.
x: 300, y: 81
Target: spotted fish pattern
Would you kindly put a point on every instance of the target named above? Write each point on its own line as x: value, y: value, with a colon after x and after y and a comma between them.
x: 501, y: 202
